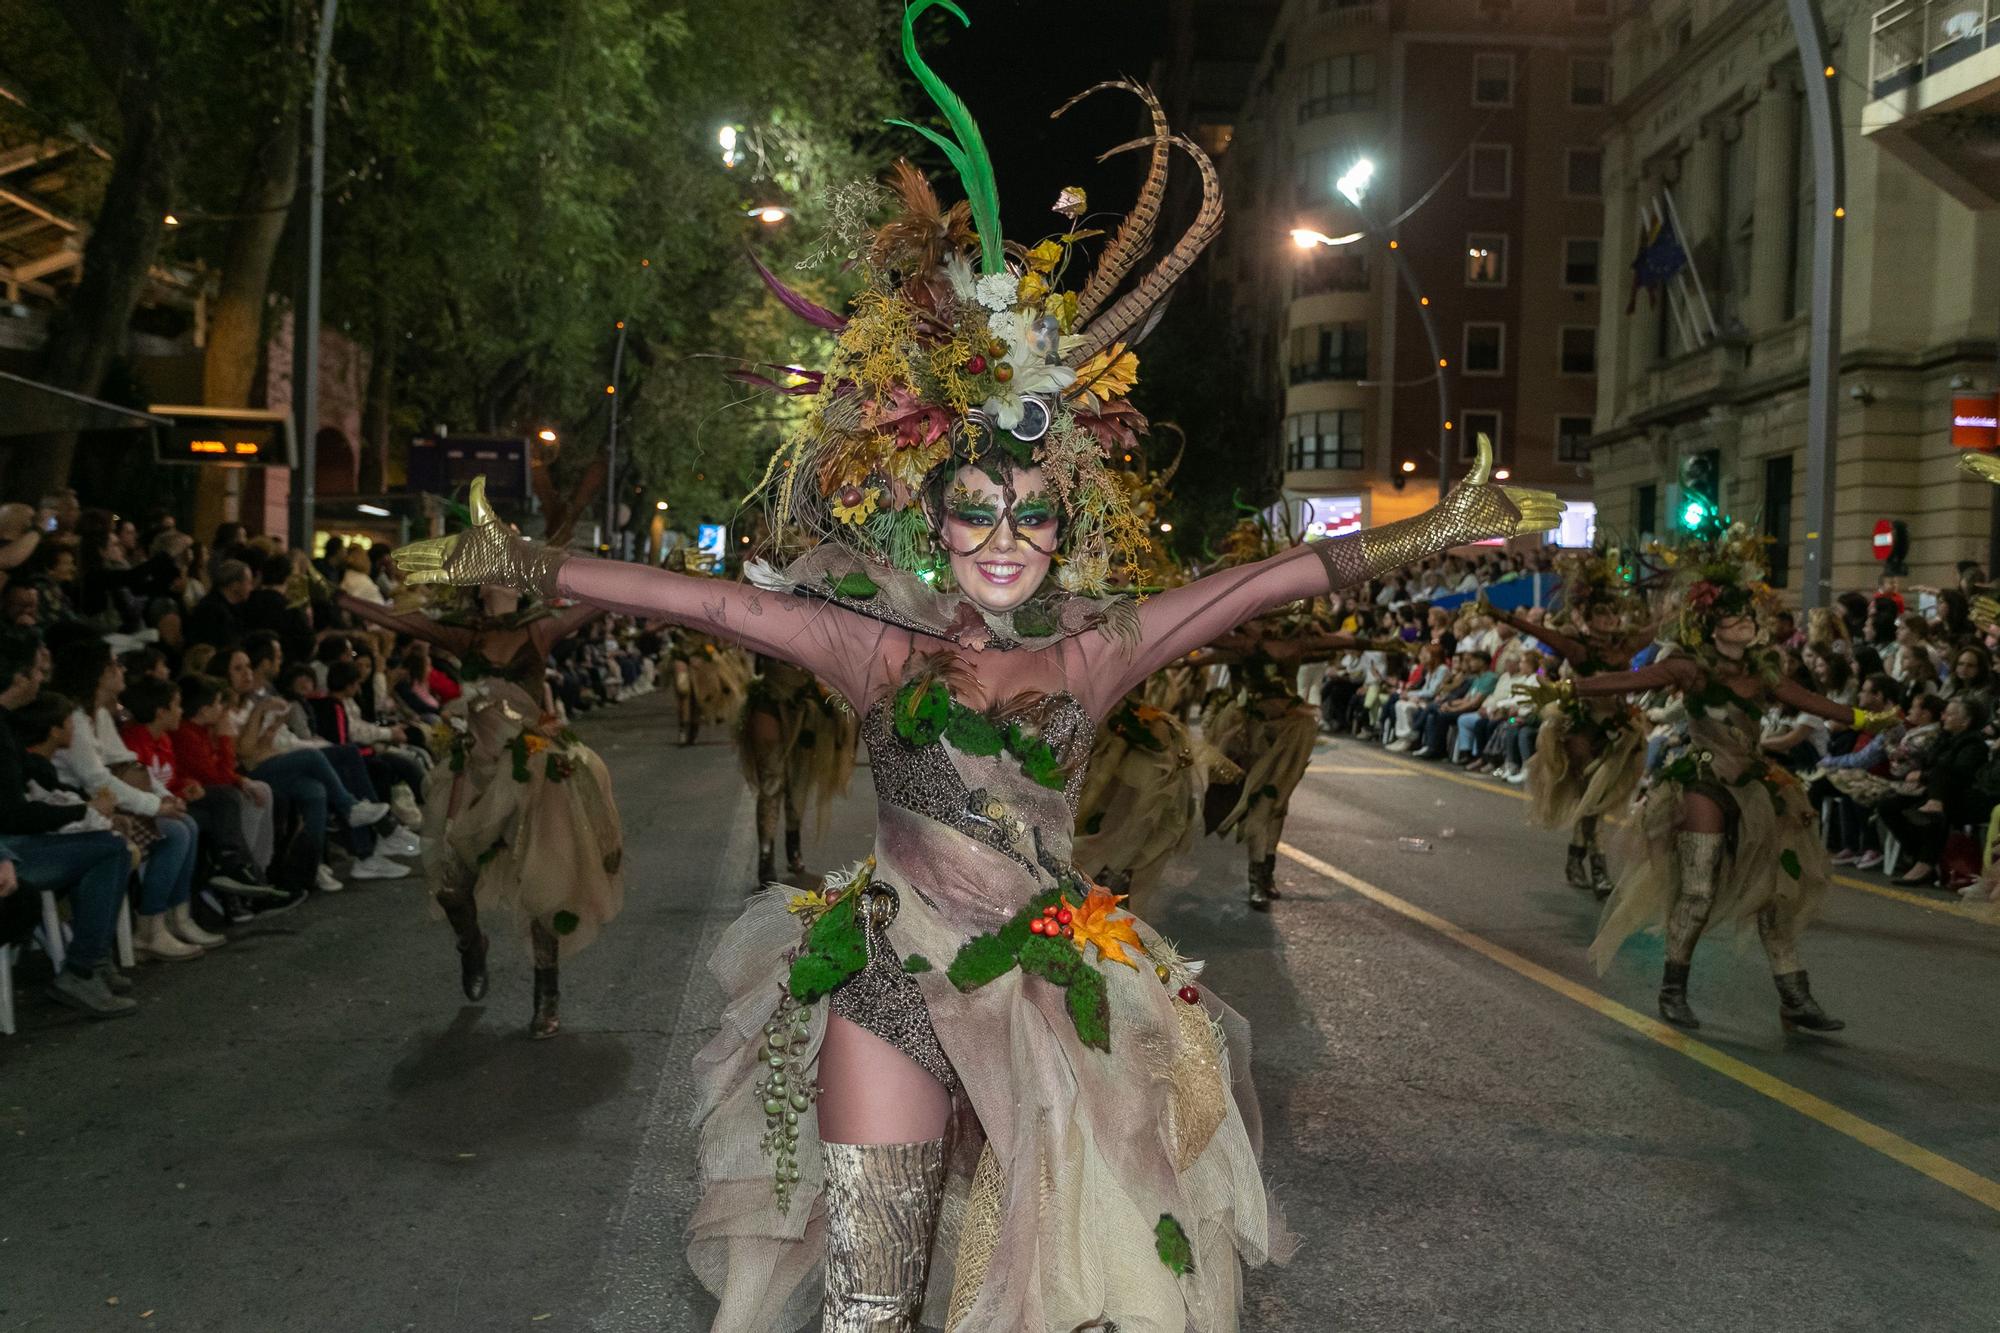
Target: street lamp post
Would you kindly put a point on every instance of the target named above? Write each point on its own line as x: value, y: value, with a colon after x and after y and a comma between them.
x: 1353, y: 186
x: 1823, y: 349
x: 611, y: 443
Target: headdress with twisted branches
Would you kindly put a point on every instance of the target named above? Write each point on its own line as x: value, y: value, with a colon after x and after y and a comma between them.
x: 963, y: 347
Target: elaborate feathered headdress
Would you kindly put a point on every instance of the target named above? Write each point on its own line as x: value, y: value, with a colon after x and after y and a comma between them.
x: 965, y: 348
x: 1713, y: 581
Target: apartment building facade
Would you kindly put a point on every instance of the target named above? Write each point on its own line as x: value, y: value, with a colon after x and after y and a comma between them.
x: 1709, y: 109
x: 1480, y: 226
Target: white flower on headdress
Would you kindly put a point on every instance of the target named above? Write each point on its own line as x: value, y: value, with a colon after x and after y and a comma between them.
x: 996, y: 291
x: 1032, y: 370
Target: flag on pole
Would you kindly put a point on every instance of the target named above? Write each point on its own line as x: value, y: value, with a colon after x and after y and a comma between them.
x: 1661, y: 256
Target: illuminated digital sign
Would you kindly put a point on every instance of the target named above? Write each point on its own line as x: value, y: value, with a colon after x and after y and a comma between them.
x: 233, y: 438
x: 447, y: 465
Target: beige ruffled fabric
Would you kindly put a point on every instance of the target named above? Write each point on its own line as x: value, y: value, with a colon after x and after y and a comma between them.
x: 1561, y: 792
x: 1141, y: 804
x: 1272, y: 741
x: 817, y: 739
x: 1091, y: 1148
x: 546, y: 846
x: 1772, y: 831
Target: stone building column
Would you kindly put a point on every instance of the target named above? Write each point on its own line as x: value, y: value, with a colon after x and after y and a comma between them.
x: 1776, y: 126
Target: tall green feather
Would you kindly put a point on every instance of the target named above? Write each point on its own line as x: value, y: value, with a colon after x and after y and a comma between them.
x: 968, y: 155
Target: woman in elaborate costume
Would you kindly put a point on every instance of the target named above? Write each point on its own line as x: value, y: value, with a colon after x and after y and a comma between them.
x: 962, y: 1016
x: 1589, y: 754
x: 518, y: 811
x: 1722, y: 833
x: 795, y: 741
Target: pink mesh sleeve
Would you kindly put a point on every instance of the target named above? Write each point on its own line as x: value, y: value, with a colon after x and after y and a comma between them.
x: 1180, y: 620
x: 838, y: 646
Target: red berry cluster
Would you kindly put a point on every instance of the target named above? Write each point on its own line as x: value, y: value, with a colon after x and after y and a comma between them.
x: 1189, y: 995
x: 1054, y: 922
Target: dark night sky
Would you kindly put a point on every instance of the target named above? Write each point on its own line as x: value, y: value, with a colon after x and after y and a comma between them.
x: 1019, y: 61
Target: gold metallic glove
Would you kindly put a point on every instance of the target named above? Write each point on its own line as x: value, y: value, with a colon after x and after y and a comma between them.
x: 1542, y: 693
x: 1474, y: 510
x: 1983, y: 466
x: 487, y: 552
x: 1866, y: 721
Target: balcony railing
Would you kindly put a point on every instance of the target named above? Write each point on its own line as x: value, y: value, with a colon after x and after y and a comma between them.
x: 1914, y: 39
x: 1330, y: 368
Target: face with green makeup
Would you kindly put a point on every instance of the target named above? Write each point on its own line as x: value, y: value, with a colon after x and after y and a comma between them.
x: 1001, y: 535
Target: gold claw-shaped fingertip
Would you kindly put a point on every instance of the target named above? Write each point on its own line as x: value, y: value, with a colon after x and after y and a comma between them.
x: 1482, y: 465
x: 1984, y: 466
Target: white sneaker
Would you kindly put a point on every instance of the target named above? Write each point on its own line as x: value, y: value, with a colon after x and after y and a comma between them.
x: 401, y: 843
x: 1517, y: 777
x: 1400, y: 747
x: 379, y: 866
x: 404, y: 803
x: 366, y: 814
x: 326, y: 881
x: 152, y: 939
x: 183, y: 927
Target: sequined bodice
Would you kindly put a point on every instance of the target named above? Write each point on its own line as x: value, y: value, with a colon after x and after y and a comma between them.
x: 990, y: 800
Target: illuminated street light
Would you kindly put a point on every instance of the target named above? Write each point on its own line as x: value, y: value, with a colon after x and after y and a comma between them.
x: 373, y: 511
x: 1501, y: 474
x: 1354, y: 183
x: 545, y: 435
x: 1305, y: 238
x: 731, y: 154
x: 660, y: 505
x: 171, y: 221
x: 1409, y: 466
x: 1166, y: 527
x: 768, y: 214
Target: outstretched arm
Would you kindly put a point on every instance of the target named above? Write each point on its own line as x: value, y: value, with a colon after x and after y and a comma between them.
x: 1796, y: 696
x: 453, y: 640
x: 1676, y: 673
x: 837, y: 645
x: 549, y: 632
x: 1182, y: 619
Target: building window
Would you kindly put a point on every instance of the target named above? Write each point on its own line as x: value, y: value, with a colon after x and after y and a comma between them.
x: 1493, y: 79
x: 1330, y: 269
x: 1329, y: 352
x: 1471, y: 425
x: 1573, y: 440
x: 1312, y: 176
x: 1646, y: 512
x: 1580, y: 261
x: 1336, y: 84
x: 1325, y: 441
x: 1583, y: 173
x: 1486, y: 259
x: 1492, y: 171
x: 1485, y: 350
x: 1778, y: 518
x: 1589, y: 81
x: 1579, y: 349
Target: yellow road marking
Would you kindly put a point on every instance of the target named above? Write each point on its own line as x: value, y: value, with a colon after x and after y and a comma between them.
x: 1965, y: 910
x: 1891, y: 1145
x: 1355, y: 770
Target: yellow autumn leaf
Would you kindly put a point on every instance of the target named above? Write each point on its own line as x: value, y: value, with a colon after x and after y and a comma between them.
x: 810, y: 903
x: 1109, y: 374
x: 1044, y: 257
x: 1094, y: 923
x: 1032, y: 288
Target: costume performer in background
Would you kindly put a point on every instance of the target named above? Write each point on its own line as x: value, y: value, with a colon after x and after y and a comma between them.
x: 1589, y: 754
x: 796, y: 745
x: 963, y: 1014
x: 1722, y: 833
x: 1141, y: 805
x: 518, y: 812
x: 710, y: 681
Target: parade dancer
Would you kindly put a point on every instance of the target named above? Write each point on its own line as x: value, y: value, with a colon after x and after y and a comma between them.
x: 1103, y: 1167
x: 1589, y: 754
x: 1141, y: 805
x: 796, y: 745
x: 1723, y: 833
x: 518, y: 811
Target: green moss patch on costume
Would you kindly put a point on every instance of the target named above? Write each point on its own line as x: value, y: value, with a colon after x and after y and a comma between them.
x: 925, y: 713
x: 987, y: 958
x: 835, y: 949
x: 1171, y: 1240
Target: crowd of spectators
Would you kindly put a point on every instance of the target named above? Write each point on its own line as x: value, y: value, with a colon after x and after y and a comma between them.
x: 199, y: 733
x: 1916, y: 800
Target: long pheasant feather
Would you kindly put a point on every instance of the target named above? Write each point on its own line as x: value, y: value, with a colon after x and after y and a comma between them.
x: 967, y: 152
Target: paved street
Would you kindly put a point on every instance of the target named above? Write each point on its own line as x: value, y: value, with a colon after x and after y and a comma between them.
x: 312, y: 1132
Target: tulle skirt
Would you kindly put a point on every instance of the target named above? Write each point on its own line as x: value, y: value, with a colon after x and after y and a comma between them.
x: 1141, y: 806
x: 1560, y: 791
x: 527, y: 819
x: 1064, y: 1159
x: 1773, y: 855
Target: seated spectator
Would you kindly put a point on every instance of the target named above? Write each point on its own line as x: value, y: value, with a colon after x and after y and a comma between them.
x: 154, y: 708
x: 270, y: 608
x: 412, y: 685
x: 1848, y: 829
x: 1950, y: 795
x: 145, y: 662
x: 337, y: 719
x: 1476, y: 681
x: 89, y: 868
x: 216, y: 619
x: 205, y: 752
x: 1971, y: 674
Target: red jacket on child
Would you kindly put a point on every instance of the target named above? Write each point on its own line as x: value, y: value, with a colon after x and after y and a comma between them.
x: 206, y: 755
x: 157, y: 754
